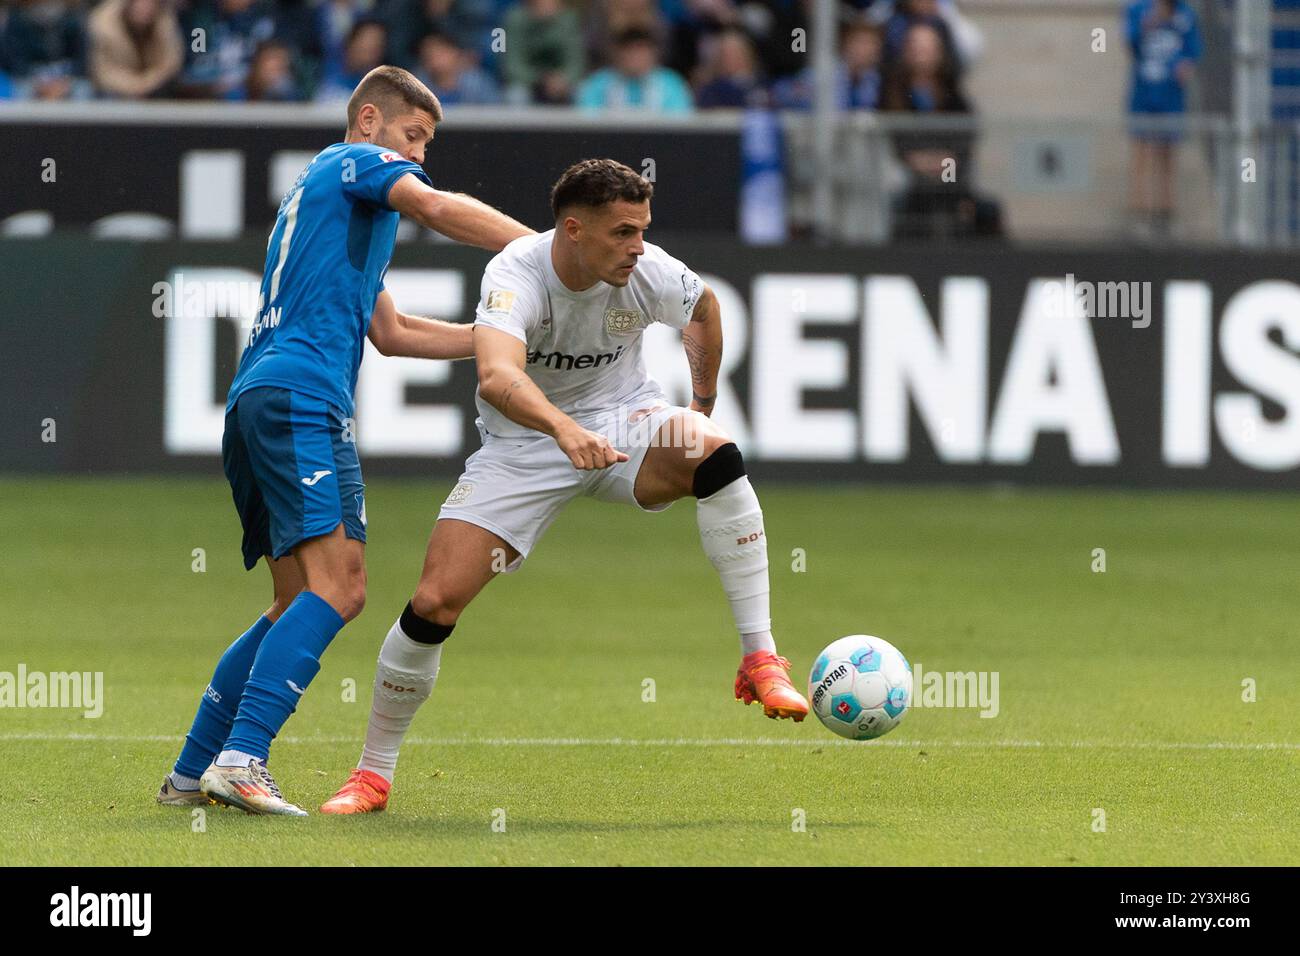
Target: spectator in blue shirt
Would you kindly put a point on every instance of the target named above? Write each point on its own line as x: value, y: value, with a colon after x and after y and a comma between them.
x: 691, y: 33
x: 961, y: 38
x: 363, y: 52
x: 735, y: 79
x: 1166, y: 45
x: 270, y: 76
x: 450, y: 73
x: 220, y: 55
x: 858, y: 78
x: 44, y: 47
x: 635, y: 81
x: 334, y: 20
x: 469, y: 22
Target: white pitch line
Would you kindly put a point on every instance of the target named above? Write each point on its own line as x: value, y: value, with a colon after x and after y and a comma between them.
x: 699, y: 742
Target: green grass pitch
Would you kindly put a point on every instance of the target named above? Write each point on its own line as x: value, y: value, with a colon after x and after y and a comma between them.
x: 1121, y: 693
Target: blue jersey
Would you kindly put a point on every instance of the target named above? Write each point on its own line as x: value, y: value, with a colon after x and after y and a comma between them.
x: 1158, y: 49
x: 325, y: 266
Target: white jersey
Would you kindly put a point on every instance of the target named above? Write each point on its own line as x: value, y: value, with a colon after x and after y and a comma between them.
x: 584, y: 348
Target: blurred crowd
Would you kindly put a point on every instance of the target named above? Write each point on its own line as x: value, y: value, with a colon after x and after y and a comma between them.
x: 665, y: 56
x: 661, y: 56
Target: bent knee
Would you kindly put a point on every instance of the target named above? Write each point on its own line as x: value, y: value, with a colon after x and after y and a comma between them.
x: 354, y: 602
x: 434, y: 602
x: 711, y: 441
x: 347, y: 597
x: 350, y: 603
x: 719, y: 465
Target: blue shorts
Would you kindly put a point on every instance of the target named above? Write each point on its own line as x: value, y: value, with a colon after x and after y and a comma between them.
x: 293, y: 470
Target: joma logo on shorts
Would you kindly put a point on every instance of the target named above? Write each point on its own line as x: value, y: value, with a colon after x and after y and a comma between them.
x: 565, y: 361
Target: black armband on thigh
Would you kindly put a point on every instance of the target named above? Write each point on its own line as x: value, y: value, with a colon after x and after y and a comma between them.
x: 422, y: 631
x: 718, y: 470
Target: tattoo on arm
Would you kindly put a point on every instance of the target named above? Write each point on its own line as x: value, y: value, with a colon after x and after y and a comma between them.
x: 510, y: 392
x: 697, y: 356
x: 703, y: 357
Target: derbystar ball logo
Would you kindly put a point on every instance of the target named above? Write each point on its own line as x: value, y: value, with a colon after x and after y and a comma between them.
x: 824, y: 686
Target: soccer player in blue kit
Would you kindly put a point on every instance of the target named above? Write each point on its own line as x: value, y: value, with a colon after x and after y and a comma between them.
x: 287, y: 451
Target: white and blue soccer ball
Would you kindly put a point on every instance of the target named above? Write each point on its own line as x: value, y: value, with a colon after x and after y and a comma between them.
x: 860, y: 687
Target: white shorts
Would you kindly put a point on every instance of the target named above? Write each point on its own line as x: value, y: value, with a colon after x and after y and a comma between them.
x: 515, y: 487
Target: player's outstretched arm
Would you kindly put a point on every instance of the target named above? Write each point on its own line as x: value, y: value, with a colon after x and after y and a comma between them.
x: 505, y: 386
x: 455, y: 215
x: 396, y: 333
x: 702, y: 339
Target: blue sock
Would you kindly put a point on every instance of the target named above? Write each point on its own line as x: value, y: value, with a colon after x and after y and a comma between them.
x: 286, y: 663
x: 220, y: 702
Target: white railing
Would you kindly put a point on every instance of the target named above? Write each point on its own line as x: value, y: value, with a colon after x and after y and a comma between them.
x: 1051, y: 180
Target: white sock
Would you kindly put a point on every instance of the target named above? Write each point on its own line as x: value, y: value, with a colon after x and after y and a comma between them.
x: 404, y: 679
x: 234, y: 758
x: 182, y: 782
x: 731, y: 530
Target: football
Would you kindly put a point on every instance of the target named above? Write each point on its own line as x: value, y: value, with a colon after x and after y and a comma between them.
x: 860, y: 687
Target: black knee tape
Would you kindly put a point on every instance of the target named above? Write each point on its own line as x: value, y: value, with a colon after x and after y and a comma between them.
x: 718, y: 470
x: 422, y: 631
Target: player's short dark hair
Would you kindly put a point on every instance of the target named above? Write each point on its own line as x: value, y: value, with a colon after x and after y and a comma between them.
x: 598, y: 182
x: 390, y: 88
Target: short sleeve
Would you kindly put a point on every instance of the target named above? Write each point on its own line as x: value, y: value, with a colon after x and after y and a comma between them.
x: 676, y: 287
x: 369, y: 172
x: 508, y: 302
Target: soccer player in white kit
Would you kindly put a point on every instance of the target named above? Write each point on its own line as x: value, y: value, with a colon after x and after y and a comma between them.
x: 566, y: 409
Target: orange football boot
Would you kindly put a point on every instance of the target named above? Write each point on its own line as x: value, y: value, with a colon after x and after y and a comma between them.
x: 365, y: 792
x: 762, y: 678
